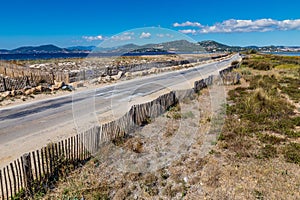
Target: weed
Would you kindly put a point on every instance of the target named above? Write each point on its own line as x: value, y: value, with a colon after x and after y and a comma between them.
x: 268, y: 151
x: 270, y: 139
x: 292, y: 153
x: 290, y: 86
x: 258, y: 195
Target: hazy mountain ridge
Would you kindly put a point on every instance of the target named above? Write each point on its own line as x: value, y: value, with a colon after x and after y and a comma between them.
x: 173, y: 46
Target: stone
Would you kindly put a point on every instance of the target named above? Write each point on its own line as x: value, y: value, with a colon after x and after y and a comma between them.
x: 6, y: 94
x: 13, y: 93
x: 59, y: 84
x: 53, y: 87
x: 28, y: 92
x: 23, y: 98
x: 153, y: 70
x: 107, y: 78
x: 118, y: 76
x: 93, y: 81
x: 100, y: 79
x: 128, y: 74
x: 39, y: 88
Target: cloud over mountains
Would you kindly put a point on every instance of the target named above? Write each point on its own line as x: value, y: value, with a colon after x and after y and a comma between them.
x: 237, y: 25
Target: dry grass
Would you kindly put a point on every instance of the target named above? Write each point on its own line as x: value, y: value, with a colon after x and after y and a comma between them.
x: 256, y: 157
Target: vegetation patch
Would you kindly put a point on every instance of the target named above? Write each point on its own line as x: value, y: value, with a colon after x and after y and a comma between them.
x: 292, y: 153
x: 259, y: 109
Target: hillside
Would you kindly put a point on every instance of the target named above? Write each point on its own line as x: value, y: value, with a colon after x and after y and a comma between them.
x: 172, y: 46
x: 39, y: 49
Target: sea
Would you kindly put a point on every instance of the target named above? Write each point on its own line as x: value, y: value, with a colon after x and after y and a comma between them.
x: 43, y: 56
x: 286, y: 53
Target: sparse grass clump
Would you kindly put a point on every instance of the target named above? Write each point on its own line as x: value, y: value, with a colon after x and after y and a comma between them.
x: 270, y: 139
x: 291, y: 87
x: 174, y: 112
x: 268, y: 151
x: 292, y: 153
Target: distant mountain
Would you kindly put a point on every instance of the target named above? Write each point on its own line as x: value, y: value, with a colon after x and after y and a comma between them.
x: 40, y: 49
x: 4, y: 51
x: 171, y: 47
x: 47, y: 49
x: 213, y: 46
x: 210, y: 44
x: 180, y: 46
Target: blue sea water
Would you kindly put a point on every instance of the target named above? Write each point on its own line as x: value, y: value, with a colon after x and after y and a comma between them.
x: 45, y: 56
x: 286, y: 53
x: 41, y: 56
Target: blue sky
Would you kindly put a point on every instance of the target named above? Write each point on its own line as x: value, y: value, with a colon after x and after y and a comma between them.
x: 72, y: 23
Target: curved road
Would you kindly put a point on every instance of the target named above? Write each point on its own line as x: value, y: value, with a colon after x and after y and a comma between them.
x: 85, y: 107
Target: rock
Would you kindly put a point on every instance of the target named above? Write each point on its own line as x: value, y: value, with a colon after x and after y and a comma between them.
x: 13, y: 93
x: 28, y: 92
x: 144, y: 73
x: 67, y: 87
x: 39, y: 88
x: 177, y: 67
x: 93, y: 81
x: 19, y: 92
x: 185, y: 179
x: 118, y: 76
x: 107, y: 78
x: 77, y: 84
x: 59, y: 84
x: 6, y: 94
x: 33, y: 90
x: 53, y: 87
x: 64, y: 87
x: 100, y: 79
x: 153, y: 70
x: 127, y: 74
x: 23, y: 98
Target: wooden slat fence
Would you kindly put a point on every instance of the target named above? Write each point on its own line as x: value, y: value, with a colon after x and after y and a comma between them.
x: 35, y: 170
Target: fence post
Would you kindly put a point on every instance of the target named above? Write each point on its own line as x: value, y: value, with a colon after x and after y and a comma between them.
x: 1, y: 184
x: 4, y: 84
x: 28, y: 175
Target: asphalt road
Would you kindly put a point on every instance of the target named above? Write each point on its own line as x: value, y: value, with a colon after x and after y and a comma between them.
x: 85, y: 108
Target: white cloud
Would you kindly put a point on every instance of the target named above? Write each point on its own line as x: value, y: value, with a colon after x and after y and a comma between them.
x: 128, y: 33
x: 188, y: 31
x: 123, y: 37
x: 93, y: 38
x: 161, y: 35
x: 237, y: 25
x: 145, y: 35
x: 290, y: 24
x: 187, y: 23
